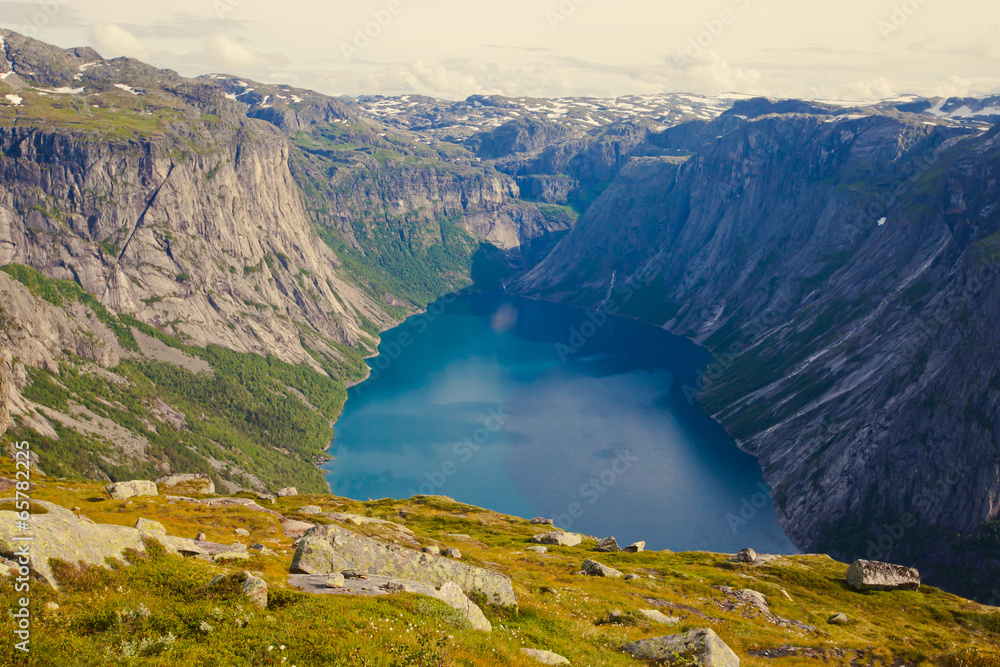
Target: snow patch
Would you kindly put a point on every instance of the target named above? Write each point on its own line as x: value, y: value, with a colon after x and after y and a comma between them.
x: 881, y: 223
x: 128, y: 89
x: 61, y: 91
x: 14, y: 99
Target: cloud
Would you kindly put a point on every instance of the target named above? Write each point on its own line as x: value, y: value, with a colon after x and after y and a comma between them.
x: 117, y: 41
x: 222, y: 50
x: 710, y: 73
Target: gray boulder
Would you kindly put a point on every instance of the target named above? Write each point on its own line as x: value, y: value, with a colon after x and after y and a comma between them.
x: 453, y: 553
x: 558, y: 538
x: 595, y: 569
x: 328, y: 549
x: 148, y: 526
x: 451, y: 594
x: 252, y: 587
x: 700, y: 647
x: 839, y: 619
x: 538, y: 550
x: 609, y: 545
x: 199, y: 484
x: 635, y: 548
x: 544, y: 657
x: 336, y: 580
x: 539, y: 521
x: 746, y: 556
x: 659, y: 617
x: 869, y: 575
x: 287, y: 492
x: 295, y: 529
x: 133, y: 489
x: 311, y: 509
x: 432, y: 550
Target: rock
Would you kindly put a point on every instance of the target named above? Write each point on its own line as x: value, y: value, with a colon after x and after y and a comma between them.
x: 659, y: 617
x: 201, y: 537
x: 288, y: 492
x: 700, y: 647
x: 608, y: 545
x: 538, y: 550
x: 452, y: 595
x: 558, y: 538
x: 635, y: 548
x: 746, y: 556
x: 295, y: 529
x: 544, y: 657
x: 242, y: 532
x: 255, y: 588
x: 336, y: 580
x: 238, y: 546
x: 148, y: 526
x: 868, y: 575
x: 261, y: 549
x: 62, y: 535
x: 52, y: 606
x: 267, y: 497
x: 434, y: 551
x: 328, y: 549
x: 355, y: 574
x: 133, y: 489
x: 198, y: 484
x: 539, y: 521
x: 453, y: 553
x: 839, y: 619
x: 631, y: 577
x: 311, y: 509
x: 230, y: 555
x: 595, y: 569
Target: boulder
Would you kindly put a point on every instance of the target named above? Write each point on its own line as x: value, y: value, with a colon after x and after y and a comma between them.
x: 558, y: 538
x: 869, y: 575
x: 453, y: 553
x: 62, y: 535
x: 699, y: 647
x: 839, y: 619
x: 539, y: 521
x: 631, y: 577
x: 133, y: 489
x: 595, y: 569
x: 295, y: 529
x: 311, y: 509
x: 328, y: 549
x: 148, y: 526
x: 336, y: 580
x: 288, y: 492
x: 608, y: 545
x: 544, y: 657
x: 267, y: 497
x: 199, y: 484
x: 261, y: 549
x: 451, y: 594
x: 659, y: 617
x: 538, y: 550
x: 255, y: 588
x: 635, y: 548
x: 433, y: 551
x: 201, y: 537
x: 242, y: 532
x: 746, y: 556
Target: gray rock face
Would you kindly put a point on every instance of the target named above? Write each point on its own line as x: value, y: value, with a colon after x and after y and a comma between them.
x: 866, y: 575
x: 199, y: 484
x: 607, y: 545
x: 328, y: 549
x: 6, y: 386
x: 544, y: 657
x: 558, y: 538
x: 595, y: 569
x: 700, y: 647
x: 62, y: 535
x: 132, y: 489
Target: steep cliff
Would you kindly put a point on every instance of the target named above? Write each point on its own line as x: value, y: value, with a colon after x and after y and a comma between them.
x: 843, y: 268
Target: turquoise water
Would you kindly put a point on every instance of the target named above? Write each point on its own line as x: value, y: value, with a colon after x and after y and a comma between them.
x: 538, y: 409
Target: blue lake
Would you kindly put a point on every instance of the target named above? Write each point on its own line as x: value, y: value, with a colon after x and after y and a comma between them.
x: 539, y: 409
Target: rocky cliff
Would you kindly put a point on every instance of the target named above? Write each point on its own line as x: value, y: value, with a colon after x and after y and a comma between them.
x: 843, y: 268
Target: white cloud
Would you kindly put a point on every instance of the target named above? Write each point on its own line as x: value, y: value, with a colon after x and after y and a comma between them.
x: 224, y: 51
x: 114, y: 40
x: 710, y: 73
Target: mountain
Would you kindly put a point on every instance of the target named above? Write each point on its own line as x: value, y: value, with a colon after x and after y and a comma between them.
x: 842, y: 266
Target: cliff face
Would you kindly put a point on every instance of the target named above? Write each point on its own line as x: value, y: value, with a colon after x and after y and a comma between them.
x: 844, y: 270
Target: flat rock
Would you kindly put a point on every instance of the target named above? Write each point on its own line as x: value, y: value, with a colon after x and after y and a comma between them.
x: 328, y: 549
x: 295, y: 529
x: 659, y: 617
x: 869, y: 575
x: 635, y: 548
x: 62, y: 535
x: 558, y: 538
x: 132, y: 489
x: 544, y: 657
x: 198, y: 483
x: 376, y: 585
x: 311, y: 509
x: 595, y: 569
x: 700, y: 647
x: 609, y: 545
x: 538, y: 550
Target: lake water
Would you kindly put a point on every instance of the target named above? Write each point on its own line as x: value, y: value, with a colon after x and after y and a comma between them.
x: 538, y: 409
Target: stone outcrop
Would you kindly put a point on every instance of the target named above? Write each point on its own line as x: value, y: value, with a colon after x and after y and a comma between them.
x: 867, y: 575
x: 699, y: 647
x: 198, y: 484
x: 558, y: 538
x: 131, y: 489
x: 329, y: 549
x: 544, y: 657
x: 608, y: 545
x: 595, y: 569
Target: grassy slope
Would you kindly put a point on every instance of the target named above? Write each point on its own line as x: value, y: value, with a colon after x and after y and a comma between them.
x: 558, y: 608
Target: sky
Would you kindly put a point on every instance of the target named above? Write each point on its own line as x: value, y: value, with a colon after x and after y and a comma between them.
x: 851, y: 49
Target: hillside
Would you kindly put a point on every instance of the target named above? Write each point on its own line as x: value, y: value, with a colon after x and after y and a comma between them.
x: 163, y: 609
